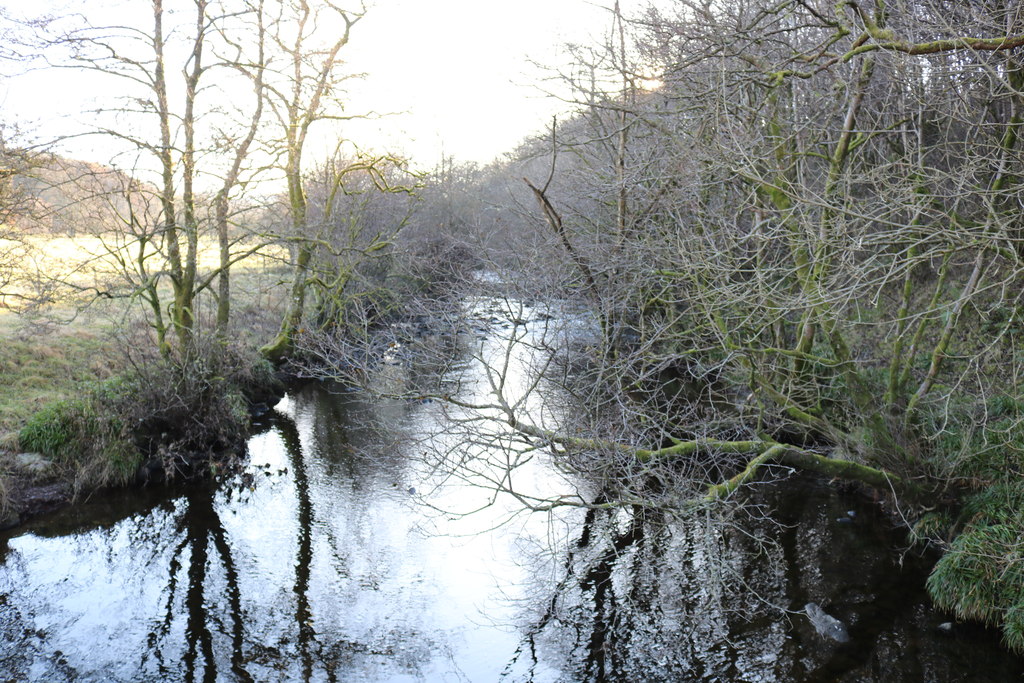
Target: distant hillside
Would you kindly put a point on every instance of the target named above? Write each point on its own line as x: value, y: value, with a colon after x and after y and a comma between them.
x: 67, y: 197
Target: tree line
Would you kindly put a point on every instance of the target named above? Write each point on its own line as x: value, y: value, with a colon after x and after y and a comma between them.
x: 797, y: 227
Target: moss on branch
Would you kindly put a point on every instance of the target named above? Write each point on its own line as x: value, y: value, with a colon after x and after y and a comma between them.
x: 812, y: 462
x: 939, y: 46
x: 767, y: 452
x: 700, y: 445
x: 722, y: 490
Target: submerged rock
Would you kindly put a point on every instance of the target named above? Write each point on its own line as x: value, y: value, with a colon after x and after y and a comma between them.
x: 825, y: 624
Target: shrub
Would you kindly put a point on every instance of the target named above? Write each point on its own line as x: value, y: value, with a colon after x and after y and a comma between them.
x: 193, y: 409
x: 188, y: 412
x: 85, y: 438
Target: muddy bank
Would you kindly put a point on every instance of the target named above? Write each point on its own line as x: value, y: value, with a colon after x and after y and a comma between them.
x: 31, y: 490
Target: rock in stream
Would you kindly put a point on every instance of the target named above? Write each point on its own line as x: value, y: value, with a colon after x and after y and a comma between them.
x: 826, y: 625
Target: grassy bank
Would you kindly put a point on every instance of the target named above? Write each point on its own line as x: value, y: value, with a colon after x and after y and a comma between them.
x: 48, y: 367
x: 74, y: 378
x: 39, y: 368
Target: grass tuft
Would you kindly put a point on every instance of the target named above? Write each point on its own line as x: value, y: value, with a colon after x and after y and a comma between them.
x: 982, y: 575
x: 86, y: 437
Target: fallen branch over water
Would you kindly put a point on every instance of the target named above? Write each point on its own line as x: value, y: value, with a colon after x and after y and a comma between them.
x: 812, y: 462
x: 767, y: 452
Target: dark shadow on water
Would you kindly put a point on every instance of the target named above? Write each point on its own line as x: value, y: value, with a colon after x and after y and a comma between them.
x: 304, y: 550
x: 203, y: 543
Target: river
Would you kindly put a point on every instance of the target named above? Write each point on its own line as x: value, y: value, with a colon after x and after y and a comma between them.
x: 347, y: 549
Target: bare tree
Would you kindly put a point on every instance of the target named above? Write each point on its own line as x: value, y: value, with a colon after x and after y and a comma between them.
x: 16, y: 163
x: 309, y: 39
x: 802, y: 249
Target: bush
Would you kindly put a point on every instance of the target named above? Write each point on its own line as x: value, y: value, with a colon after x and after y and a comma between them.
x: 192, y: 410
x: 188, y: 412
x: 83, y: 436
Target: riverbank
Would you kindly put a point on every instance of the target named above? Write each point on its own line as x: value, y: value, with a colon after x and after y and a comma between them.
x: 39, y: 367
x: 58, y: 358
x: 30, y: 488
x: 82, y: 428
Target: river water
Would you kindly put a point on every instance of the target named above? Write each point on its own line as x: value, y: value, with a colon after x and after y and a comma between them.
x: 349, y: 550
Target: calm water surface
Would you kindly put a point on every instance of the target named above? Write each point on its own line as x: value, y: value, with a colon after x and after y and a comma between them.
x: 342, y: 554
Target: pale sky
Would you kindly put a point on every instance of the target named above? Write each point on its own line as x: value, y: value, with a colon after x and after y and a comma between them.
x: 462, y: 71
x: 459, y: 70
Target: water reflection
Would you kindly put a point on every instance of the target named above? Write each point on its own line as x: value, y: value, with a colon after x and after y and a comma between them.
x: 203, y: 548
x: 341, y: 554
x: 309, y: 566
x: 640, y: 596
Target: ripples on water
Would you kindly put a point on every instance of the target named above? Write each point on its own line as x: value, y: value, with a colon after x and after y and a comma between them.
x: 338, y: 554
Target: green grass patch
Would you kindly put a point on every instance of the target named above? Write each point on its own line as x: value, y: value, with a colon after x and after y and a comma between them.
x: 981, y: 576
x: 980, y: 442
x: 48, y: 368
x: 86, y: 437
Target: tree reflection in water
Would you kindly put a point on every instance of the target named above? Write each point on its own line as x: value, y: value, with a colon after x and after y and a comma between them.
x: 311, y: 566
x: 643, y: 595
x: 199, y: 527
x: 266, y: 577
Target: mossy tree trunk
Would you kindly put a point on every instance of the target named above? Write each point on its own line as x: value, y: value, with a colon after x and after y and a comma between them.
x: 299, y: 104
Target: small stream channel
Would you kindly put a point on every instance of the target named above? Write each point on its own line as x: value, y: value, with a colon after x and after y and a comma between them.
x: 340, y: 553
